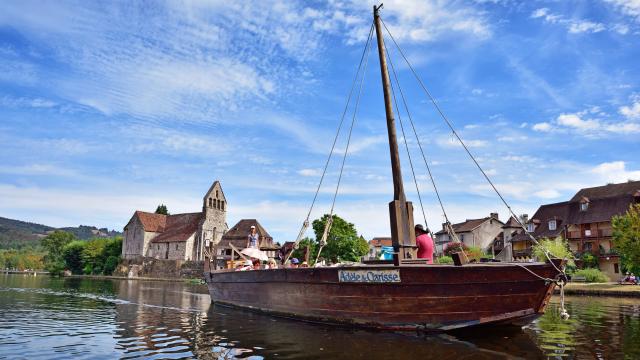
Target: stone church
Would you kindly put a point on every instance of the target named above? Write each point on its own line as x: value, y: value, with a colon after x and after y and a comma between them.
x: 178, y: 236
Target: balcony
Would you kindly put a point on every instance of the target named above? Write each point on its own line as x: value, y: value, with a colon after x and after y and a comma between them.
x: 601, y: 233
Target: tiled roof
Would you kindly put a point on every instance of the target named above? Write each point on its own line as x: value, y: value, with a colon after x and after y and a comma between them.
x: 512, y: 223
x: 179, y: 227
x: 237, y: 235
x: 151, y: 222
x: 467, y: 226
x: 609, y: 190
x: 598, y: 210
x: 558, y: 211
x: 380, y: 241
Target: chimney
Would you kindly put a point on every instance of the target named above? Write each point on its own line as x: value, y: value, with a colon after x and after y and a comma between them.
x: 494, y: 215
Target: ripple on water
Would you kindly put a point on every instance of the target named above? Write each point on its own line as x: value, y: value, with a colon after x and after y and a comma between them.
x: 127, y: 319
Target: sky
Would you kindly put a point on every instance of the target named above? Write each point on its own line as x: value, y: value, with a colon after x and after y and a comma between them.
x: 116, y: 106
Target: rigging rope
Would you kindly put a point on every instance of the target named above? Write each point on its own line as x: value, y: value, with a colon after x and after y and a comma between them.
x: 327, y: 229
x: 305, y: 224
x: 449, y: 228
x: 453, y: 131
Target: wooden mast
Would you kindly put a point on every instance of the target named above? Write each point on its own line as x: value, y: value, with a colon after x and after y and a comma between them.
x: 400, y: 210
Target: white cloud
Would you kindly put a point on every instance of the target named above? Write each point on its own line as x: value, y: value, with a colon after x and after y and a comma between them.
x: 574, y: 121
x: 544, y: 126
x: 614, y: 172
x: 309, y: 172
x: 632, y: 111
x: 579, y: 123
x: 449, y: 142
x: 577, y: 27
x: 627, y: 7
x: 574, y: 26
x: 415, y: 21
x: 547, y: 194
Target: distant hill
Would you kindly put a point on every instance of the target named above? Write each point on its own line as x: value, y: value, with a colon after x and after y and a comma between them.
x: 19, y: 234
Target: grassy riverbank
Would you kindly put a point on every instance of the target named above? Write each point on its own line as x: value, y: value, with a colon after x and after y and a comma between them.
x: 601, y: 289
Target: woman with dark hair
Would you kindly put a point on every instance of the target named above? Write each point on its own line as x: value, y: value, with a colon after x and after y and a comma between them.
x: 425, y: 244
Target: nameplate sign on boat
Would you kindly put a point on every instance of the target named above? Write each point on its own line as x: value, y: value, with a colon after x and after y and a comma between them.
x: 369, y: 276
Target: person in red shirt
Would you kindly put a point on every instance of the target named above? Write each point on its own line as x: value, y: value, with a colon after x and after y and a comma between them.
x: 425, y: 244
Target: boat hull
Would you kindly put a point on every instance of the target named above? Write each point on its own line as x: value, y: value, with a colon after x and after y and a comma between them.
x: 411, y: 297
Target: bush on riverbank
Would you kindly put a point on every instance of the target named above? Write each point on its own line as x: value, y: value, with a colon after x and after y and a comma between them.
x: 444, y: 260
x: 592, y: 275
x: 98, y: 256
x: 557, y: 248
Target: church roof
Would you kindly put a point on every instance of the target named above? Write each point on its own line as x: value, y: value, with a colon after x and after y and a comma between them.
x: 178, y: 227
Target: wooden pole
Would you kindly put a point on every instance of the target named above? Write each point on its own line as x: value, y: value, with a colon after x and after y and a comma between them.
x: 400, y: 211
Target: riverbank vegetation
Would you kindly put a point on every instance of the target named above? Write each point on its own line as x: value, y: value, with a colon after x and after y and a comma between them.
x: 99, y: 256
x: 343, y: 242
x: 626, y: 238
x: 28, y: 258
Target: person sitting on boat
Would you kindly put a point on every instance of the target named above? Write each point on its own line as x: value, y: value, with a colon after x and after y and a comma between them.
x: 304, y: 264
x: 256, y: 264
x: 294, y: 262
x: 253, y: 238
x: 246, y: 265
x: 425, y: 244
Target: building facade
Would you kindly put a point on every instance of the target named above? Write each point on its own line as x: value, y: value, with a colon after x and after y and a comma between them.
x: 472, y: 232
x: 180, y: 236
x: 585, y: 222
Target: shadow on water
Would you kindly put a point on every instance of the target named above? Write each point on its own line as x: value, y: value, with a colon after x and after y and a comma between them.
x: 80, y: 318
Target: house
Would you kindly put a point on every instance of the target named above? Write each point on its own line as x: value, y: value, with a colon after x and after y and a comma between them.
x: 375, y: 246
x: 237, y: 236
x: 472, y: 232
x: 585, y: 221
x: 179, y: 236
x: 503, y: 243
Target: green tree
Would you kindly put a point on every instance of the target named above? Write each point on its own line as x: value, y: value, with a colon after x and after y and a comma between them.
x: 626, y: 237
x: 162, y: 209
x: 557, y: 248
x: 54, y: 245
x: 93, y: 256
x: 72, y: 254
x: 343, y: 242
x: 304, y: 243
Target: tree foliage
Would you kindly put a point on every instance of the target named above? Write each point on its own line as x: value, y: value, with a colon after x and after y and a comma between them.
x: 557, y: 248
x: 95, y: 256
x: 162, y: 209
x: 54, y: 244
x: 343, y: 242
x: 626, y: 237
x: 22, y: 259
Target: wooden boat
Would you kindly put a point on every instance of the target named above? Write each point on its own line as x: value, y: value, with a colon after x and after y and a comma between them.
x: 407, y: 294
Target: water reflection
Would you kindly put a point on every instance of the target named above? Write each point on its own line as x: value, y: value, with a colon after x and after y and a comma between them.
x: 79, y: 318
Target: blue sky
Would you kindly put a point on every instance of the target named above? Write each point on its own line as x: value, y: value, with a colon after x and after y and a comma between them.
x: 111, y: 107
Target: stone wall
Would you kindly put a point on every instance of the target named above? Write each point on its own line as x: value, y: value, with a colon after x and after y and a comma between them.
x: 162, y: 269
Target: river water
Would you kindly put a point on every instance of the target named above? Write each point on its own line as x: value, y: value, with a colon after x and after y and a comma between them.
x: 59, y: 318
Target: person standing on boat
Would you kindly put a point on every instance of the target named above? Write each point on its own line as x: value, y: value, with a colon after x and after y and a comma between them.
x: 425, y: 244
x: 253, y: 238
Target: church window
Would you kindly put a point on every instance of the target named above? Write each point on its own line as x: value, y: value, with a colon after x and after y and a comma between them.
x: 219, y: 204
x: 210, y: 202
x: 176, y: 246
x: 222, y: 205
x: 217, y: 194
